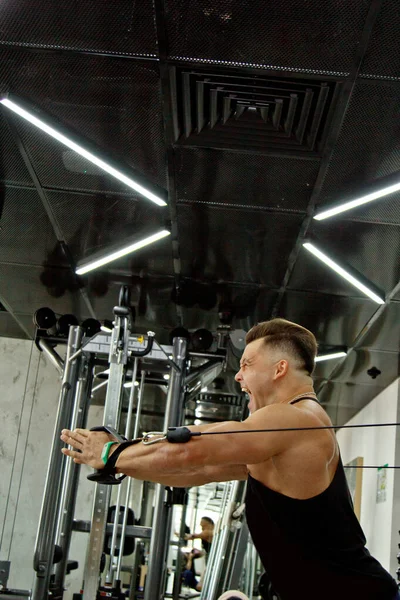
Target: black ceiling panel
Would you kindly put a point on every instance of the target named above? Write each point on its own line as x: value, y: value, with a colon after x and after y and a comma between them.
x: 112, y: 102
x: 12, y: 167
x: 385, y: 210
x: 370, y: 248
x: 369, y: 143
x: 244, y: 180
x: 10, y: 328
x: 27, y: 293
x: 112, y: 26
x: 356, y: 366
x: 380, y: 60
x: 249, y: 305
x: 334, y: 320
x: 311, y: 274
x: 26, y: 234
x: 104, y: 220
x: 151, y: 300
x: 288, y: 35
x: 385, y: 332
x: 235, y: 245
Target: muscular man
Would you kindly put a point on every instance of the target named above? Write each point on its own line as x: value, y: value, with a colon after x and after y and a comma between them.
x: 298, y: 506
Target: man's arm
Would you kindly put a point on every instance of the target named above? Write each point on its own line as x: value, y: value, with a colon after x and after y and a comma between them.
x: 161, y: 461
x: 202, y: 476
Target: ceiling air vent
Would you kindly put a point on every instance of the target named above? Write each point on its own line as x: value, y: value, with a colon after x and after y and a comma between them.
x: 258, y: 113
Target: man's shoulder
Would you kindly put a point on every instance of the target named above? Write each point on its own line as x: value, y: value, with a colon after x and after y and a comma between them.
x: 286, y: 415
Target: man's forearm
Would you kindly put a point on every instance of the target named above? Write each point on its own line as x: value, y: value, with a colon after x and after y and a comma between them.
x: 163, y: 459
x: 195, y: 478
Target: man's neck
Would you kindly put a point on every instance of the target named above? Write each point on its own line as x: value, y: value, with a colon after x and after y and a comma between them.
x: 288, y: 394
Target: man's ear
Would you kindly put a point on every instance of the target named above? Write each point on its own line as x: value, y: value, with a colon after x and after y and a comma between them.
x: 281, y: 368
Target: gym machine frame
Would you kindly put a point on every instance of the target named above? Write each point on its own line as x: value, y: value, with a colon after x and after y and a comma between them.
x: 57, y: 515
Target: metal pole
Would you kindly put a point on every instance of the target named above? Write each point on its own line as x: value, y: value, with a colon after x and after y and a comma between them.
x: 118, y: 358
x: 44, y: 547
x: 154, y: 589
x: 129, y: 479
x: 213, y: 575
x: 110, y: 575
x: 177, y: 581
x: 72, y: 470
x: 213, y: 556
x: 52, y: 355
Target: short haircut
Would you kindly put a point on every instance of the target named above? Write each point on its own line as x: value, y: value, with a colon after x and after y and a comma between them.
x: 289, y: 337
x: 208, y: 520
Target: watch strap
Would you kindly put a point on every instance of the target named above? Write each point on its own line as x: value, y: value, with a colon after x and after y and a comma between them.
x: 112, y: 460
x: 106, y: 451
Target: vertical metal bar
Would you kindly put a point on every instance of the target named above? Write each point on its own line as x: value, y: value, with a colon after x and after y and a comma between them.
x: 128, y: 434
x: 177, y: 581
x: 110, y: 574
x: 154, y: 589
x: 71, y: 477
x: 44, y: 547
x: 218, y: 557
x: 238, y: 558
x: 112, y: 410
x: 215, y: 546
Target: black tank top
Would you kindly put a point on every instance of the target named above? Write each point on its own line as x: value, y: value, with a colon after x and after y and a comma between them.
x: 315, y: 548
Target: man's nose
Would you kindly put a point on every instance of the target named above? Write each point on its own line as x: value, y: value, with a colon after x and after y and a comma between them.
x: 238, y: 376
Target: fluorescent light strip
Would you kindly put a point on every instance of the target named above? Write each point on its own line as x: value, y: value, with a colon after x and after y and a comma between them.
x: 90, y: 266
x: 88, y: 155
x: 354, y: 203
x: 338, y: 269
x: 330, y: 356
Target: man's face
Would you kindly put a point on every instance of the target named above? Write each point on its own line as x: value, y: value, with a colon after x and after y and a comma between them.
x: 256, y: 373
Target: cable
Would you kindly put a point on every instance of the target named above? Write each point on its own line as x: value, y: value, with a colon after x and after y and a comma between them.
x: 198, y: 433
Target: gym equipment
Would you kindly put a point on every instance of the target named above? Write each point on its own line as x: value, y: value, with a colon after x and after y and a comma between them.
x: 124, y: 352
x: 233, y: 595
x: 265, y: 588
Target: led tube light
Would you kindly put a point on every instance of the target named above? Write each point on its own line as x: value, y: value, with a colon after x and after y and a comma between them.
x: 95, y: 264
x: 331, y: 212
x: 80, y: 150
x: 338, y: 269
x: 330, y: 356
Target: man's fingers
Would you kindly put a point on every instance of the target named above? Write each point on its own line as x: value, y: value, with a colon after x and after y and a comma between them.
x: 72, y: 440
x: 83, y: 432
x: 77, y: 456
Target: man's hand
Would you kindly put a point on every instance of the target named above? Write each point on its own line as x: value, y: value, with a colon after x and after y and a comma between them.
x: 89, y: 445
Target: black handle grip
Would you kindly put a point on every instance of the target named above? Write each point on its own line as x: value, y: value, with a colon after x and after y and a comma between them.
x: 105, y: 478
x: 120, y: 438
x: 180, y: 435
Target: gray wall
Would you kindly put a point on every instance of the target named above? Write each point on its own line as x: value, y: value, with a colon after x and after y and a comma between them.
x: 29, y: 389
